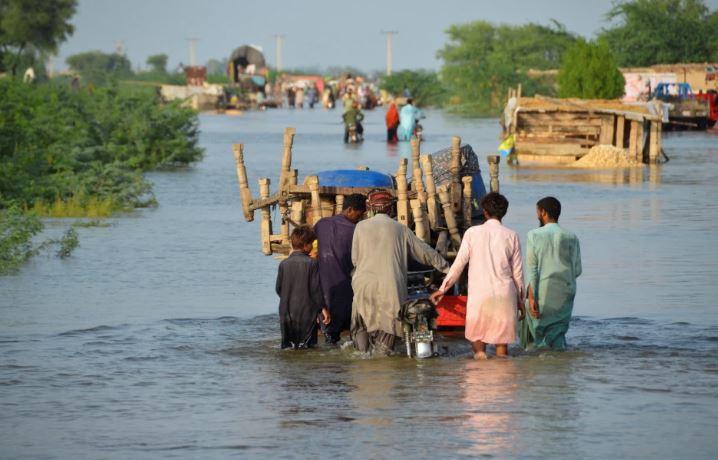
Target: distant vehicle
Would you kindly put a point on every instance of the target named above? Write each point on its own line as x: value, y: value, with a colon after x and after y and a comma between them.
x: 689, y: 111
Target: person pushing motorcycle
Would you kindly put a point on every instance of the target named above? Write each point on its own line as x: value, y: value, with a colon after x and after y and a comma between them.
x: 353, y: 117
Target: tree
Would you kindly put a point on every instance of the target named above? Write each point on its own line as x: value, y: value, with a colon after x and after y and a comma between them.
x: 30, y: 27
x: 648, y: 32
x: 482, y: 60
x: 424, y: 85
x: 98, y: 67
x: 589, y: 71
x: 157, y: 63
x: 217, y: 66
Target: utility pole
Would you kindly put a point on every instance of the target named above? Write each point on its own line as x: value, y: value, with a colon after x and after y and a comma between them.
x: 389, y: 52
x: 193, y: 50
x: 278, y: 49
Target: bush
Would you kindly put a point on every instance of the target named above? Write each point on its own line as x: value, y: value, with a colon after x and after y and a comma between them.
x: 16, y: 232
x: 424, y: 85
x: 590, y: 72
x: 63, y: 146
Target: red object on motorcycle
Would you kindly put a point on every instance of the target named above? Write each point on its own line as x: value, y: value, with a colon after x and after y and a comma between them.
x: 452, y: 312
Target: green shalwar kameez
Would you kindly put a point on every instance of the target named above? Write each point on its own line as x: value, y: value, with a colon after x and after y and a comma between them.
x: 553, y: 262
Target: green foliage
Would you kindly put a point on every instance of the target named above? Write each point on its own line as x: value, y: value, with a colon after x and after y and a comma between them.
x: 217, y: 67
x: 425, y: 87
x: 31, y: 27
x: 157, y: 63
x: 100, y: 68
x: 590, y: 72
x: 16, y: 232
x: 65, y: 150
x: 482, y: 61
x: 648, y: 32
x: 68, y: 243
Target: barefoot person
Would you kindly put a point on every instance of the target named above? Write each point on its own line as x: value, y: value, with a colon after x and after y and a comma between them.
x: 380, y: 251
x: 496, y: 282
x: 553, y: 262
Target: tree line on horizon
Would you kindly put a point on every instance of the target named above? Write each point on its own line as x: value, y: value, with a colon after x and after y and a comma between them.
x: 481, y: 60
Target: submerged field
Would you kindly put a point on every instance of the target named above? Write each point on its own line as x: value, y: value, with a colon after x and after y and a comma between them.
x: 157, y: 338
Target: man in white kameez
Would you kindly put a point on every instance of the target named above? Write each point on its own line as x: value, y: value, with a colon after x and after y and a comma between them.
x: 380, y: 251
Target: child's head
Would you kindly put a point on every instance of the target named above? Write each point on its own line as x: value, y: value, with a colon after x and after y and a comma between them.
x: 302, y: 239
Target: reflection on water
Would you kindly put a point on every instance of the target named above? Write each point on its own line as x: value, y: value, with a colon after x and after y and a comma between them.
x: 636, y: 176
x: 159, y: 338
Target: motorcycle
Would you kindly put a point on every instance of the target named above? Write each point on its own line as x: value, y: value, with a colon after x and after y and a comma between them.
x: 353, y: 136
x: 418, y: 316
x: 419, y: 131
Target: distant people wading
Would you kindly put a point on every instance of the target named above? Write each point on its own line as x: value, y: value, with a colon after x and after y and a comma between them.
x: 496, y: 282
x: 380, y: 252
x: 553, y: 262
x: 392, y: 123
x: 407, y: 120
x: 334, y: 235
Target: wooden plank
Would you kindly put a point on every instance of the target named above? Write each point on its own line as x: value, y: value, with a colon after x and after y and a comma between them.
x: 654, y: 149
x: 633, y: 140
x: 552, y: 130
x: 556, y: 159
x: 550, y: 149
x: 606, y: 136
x: 620, y: 134
x: 556, y: 140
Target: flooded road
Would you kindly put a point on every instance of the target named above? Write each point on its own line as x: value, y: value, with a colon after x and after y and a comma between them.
x: 158, y: 337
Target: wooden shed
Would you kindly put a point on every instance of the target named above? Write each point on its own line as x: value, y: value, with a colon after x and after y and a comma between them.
x: 552, y: 130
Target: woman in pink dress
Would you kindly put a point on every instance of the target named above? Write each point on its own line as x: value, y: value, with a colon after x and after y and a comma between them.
x: 496, y: 282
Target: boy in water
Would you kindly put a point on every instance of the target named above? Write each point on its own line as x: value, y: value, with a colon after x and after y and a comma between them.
x: 300, y: 295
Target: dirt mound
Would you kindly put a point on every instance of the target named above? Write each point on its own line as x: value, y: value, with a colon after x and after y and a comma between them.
x: 606, y: 156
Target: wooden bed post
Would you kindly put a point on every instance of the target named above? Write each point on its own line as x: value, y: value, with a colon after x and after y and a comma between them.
x: 402, y: 203
x: 450, y: 217
x: 431, y: 203
x: 494, y: 172
x: 419, y: 223
x: 313, y: 182
x: 286, y: 157
x: 244, y: 192
x: 339, y: 204
x: 416, y: 181
x: 466, y: 208
x: 455, y: 190
x: 266, y: 225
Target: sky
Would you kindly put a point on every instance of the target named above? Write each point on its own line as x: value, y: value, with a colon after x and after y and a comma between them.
x: 317, y: 32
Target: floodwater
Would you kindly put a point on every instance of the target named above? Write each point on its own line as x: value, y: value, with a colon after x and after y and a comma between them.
x: 159, y: 338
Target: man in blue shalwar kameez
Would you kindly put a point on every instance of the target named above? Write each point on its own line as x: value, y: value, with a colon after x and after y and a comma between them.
x: 407, y: 121
x: 334, y: 236
x: 553, y: 262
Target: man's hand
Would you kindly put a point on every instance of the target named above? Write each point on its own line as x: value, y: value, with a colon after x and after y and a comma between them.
x: 521, y: 309
x: 534, y: 308
x: 436, y: 296
x: 327, y: 317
